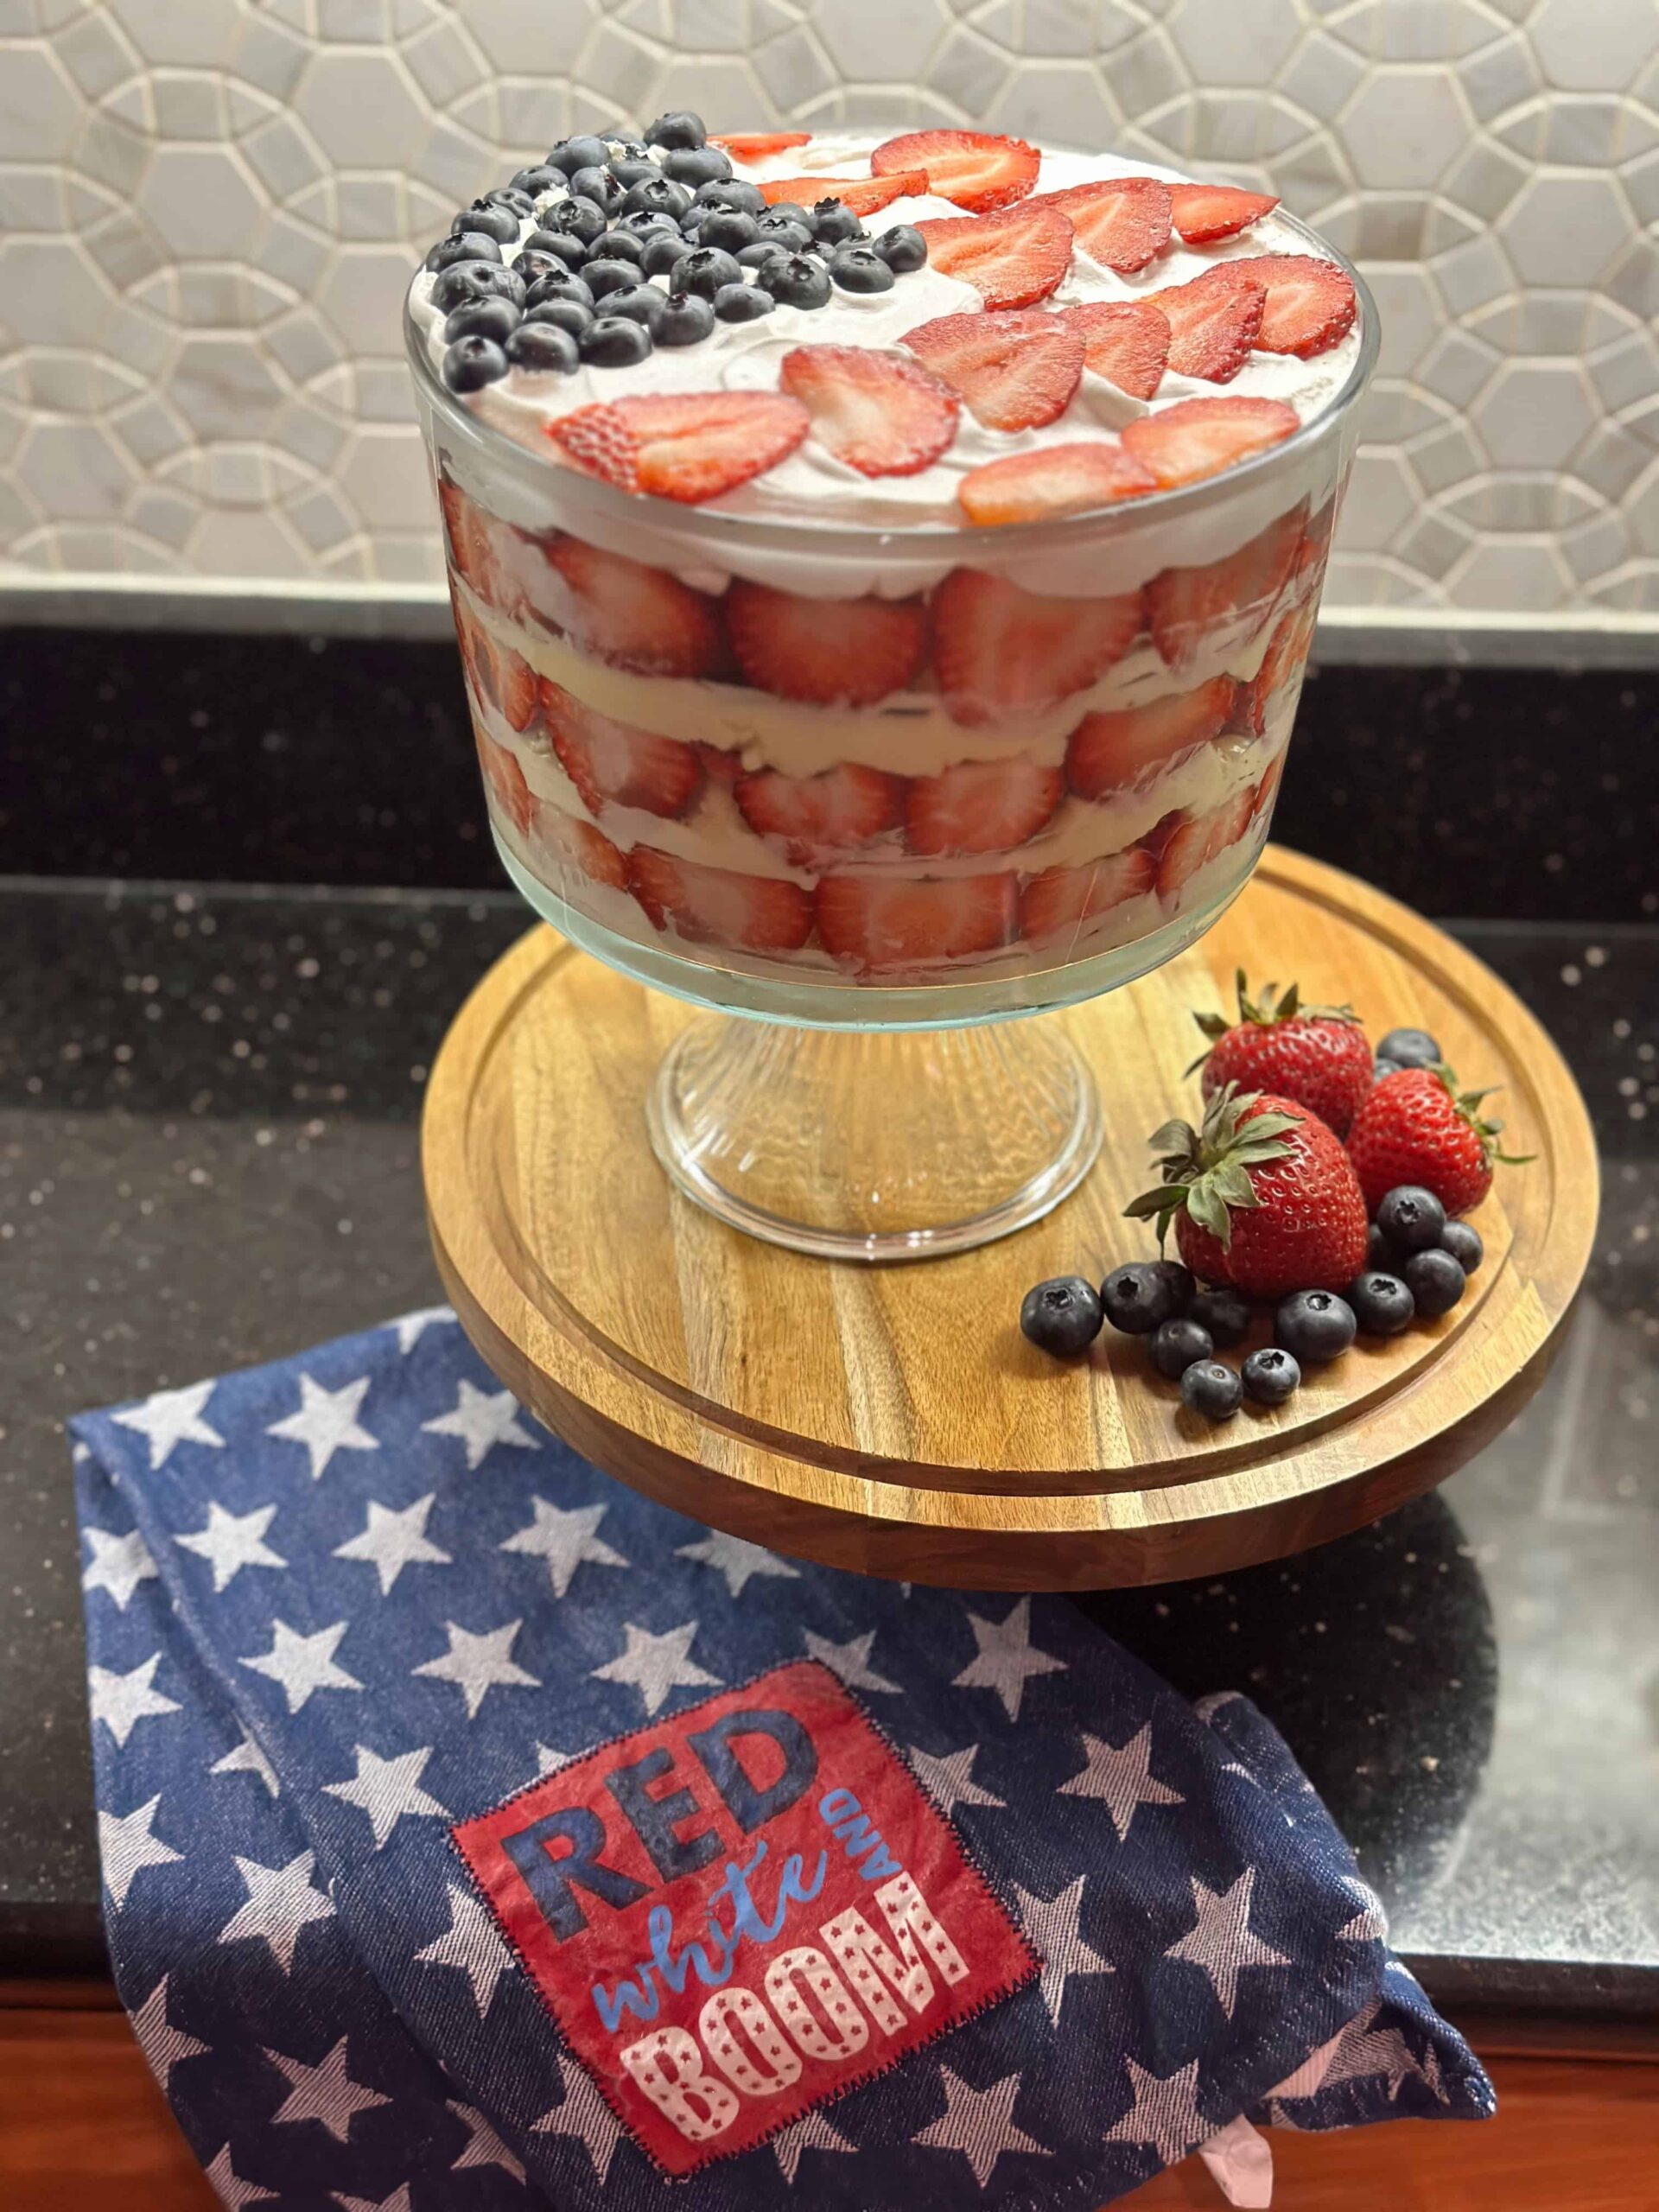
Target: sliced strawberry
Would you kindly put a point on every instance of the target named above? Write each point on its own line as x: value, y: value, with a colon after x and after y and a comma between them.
x: 981, y: 806
x: 1126, y: 341
x: 1316, y: 537
x: 1012, y: 259
x: 1121, y: 222
x: 467, y: 530
x: 476, y: 657
x: 1311, y: 303
x: 1054, y: 480
x: 1199, y: 837
x: 1203, y: 211
x: 689, y: 445
x: 998, y: 646
x: 1268, y: 790
x: 860, y: 195
x: 977, y: 171
x: 1111, y: 752
x: 1016, y: 370
x: 1281, y: 661
x: 576, y: 844
x: 1213, y: 322
x: 884, y: 923
x: 719, y: 906
x: 1200, y: 437
x: 1060, y: 901
x: 833, y: 811
x: 724, y: 768
x: 608, y: 761
x: 516, y: 687
x: 1184, y: 605
x: 881, y: 413
x: 638, y: 617
x: 505, y: 779
x: 759, y: 145
x: 830, y: 651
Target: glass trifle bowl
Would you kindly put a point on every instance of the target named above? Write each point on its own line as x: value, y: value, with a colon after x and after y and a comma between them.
x: 886, y: 666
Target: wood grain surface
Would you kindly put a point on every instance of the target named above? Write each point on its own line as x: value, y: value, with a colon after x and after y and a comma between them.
x: 83, y: 2124
x: 895, y: 1420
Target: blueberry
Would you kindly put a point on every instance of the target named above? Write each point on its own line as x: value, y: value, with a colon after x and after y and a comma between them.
x: 705, y: 269
x: 1270, y: 1375
x: 640, y: 302
x: 1223, y: 1313
x: 686, y: 318
x: 727, y: 227
x: 860, y: 268
x: 476, y: 280
x: 1464, y: 1244
x: 1140, y: 1296
x: 835, y: 223
x: 630, y: 169
x: 465, y: 246
x: 1381, y: 1068
x: 731, y: 192
x: 742, y: 302
x: 1383, y: 1305
x: 520, y: 202
x: 751, y: 256
x: 580, y: 219
x: 599, y: 185
x: 679, y: 128
x: 790, y: 211
x: 792, y: 235
x: 1410, y: 1048
x: 533, y: 182
x: 610, y: 273
x: 544, y: 346
x: 1062, y: 1316
x: 533, y: 265
x: 1379, y: 1253
x: 1411, y: 1218
x: 1436, y: 1280
x: 614, y: 342
x: 618, y: 245
x: 657, y: 195
x: 564, y: 245
x: 698, y: 165
x: 471, y: 363
x: 492, y: 221
x: 644, y: 225
x: 1212, y: 1389
x: 1314, y: 1326
x: 1177, y: 1344
x: 621, y: 144
x: 496, y: 319
x: 902, y: 248
x: 562, y: 315
x: 1182, y: 1282
x: 547, y: 288
x: 663, y: 253
x: 584, y: 153
x: 794, y: 281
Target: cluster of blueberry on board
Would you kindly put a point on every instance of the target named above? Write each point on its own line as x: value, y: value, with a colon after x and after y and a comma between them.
x: 612, y: 216
x: 1331, y: 1192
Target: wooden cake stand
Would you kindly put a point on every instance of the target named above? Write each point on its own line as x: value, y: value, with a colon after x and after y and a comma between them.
x: 893, y: 1420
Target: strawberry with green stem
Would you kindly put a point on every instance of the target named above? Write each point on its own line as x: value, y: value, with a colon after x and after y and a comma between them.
x: 1416, y: 1127
x: 1317, y: 1055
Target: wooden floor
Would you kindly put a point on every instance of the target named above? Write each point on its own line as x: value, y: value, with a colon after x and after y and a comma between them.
x: 83, y: 2124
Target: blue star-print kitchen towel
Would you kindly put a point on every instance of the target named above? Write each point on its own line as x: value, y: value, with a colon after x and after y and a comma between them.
x: 478, y: 1835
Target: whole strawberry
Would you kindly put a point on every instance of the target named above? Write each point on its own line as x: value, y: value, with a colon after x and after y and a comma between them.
x: 1416, y: 1127
x: 1262, y: 1196
x: 1317, y: 1055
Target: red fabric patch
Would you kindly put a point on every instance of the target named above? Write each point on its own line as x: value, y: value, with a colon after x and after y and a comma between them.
x: 741, y: 1910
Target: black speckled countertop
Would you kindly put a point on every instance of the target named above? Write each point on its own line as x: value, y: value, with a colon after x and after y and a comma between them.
x: 207, y: 1157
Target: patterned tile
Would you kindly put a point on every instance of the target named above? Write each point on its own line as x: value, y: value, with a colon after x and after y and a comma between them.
x: 207, y: 214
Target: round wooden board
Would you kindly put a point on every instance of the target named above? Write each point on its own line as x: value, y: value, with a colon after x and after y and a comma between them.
x: 893, y: 1420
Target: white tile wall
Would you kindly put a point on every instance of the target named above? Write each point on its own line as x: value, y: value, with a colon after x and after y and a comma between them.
x: 208, y: 209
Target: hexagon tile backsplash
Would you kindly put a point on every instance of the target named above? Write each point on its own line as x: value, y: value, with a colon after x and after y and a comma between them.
x: 208, y: 209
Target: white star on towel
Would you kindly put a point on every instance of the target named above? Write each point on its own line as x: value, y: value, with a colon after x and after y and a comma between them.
x: 233, y: 2190
x: 1363, y: 2051
x: 1052, y: 1924
x: 657, y: 1664
x: 585, y: 2114
x: 411, y: 1327
x: 248, y: 1759
x: 1120, y: 1777
x: 472, y: 1943
x: 476, y: 1663
x: 548, y: 1760
x: 851, y: 1662
x: 811, y: 2132
x: 118, y: 1564
x: 482, y: 1419
x: 282, y: 1901
x: 163, y: 2044
x: 1220, y: 1941
x: 303, y: 1665
x: 325, y: 2092
x: 1371, y: 1924
x: 388, y: 1790
x: 326, y: 1422
x: 1165, y: 2113
x: 126, y: 1846
x: 948, y: 1778
x: 397, y: 2201
x: 484, y: 2146
x: 1007, y: 1658
x: 233, y: 1540
x: 121, y: 1702
x: 738, y: 1562
x: 564, y: 1537
x: 980, y: 2124
x: 388, y: 1541
x: 172, y: 1418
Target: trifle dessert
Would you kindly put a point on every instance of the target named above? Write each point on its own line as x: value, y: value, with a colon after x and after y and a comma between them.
x: 882, y: 565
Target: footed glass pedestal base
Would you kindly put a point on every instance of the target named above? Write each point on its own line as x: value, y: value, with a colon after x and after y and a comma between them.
x: 875, y: 1145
